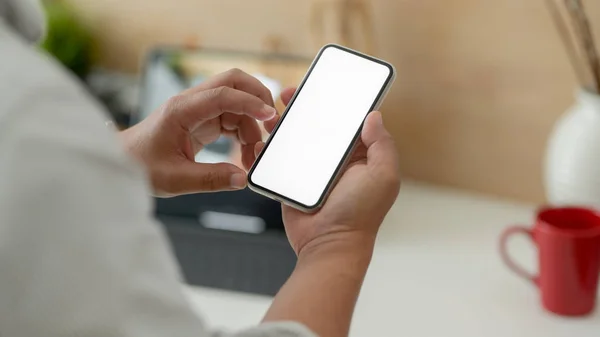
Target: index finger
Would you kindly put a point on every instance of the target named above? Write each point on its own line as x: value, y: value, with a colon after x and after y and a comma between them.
x: 287, y: 94
x: 193, y: 108
x: 240, y: 80
x: 286, y: 97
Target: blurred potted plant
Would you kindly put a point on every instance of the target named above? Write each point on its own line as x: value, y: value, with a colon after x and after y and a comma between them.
x: 67, y: 38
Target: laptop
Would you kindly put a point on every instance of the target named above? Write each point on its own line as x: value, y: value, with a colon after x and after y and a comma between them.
x: 227, y: 240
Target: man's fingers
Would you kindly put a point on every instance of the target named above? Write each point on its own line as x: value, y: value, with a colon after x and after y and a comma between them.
x: 248, y: 155
x: 246, y: 131
x: 199, y: 177
x: 246, y: 128
x: 196, y: 107
x: 359, y: 152
x: 381, y: 150
x: 258, y: 147
x: 237, y: 79
x: 286, y: 95
x: 271, y: 123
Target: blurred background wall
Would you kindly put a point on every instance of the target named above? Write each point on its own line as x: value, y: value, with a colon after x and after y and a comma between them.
x: 480, y: 82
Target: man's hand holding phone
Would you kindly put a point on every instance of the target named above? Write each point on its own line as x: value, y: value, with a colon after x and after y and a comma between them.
x: 335, y: 244
x: 360, y: 200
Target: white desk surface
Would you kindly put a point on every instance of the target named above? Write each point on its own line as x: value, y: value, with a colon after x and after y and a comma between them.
x: 435, y: 272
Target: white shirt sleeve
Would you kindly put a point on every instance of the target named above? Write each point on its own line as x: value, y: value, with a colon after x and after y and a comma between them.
x: 80, y: 253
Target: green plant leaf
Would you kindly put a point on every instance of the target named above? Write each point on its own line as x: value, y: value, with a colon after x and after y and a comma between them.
x: 67, y: 39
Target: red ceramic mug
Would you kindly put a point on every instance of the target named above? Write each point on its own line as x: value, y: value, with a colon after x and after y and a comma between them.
x: 568, y: 240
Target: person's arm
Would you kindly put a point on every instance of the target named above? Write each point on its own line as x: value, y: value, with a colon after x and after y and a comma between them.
x: 322, y: 291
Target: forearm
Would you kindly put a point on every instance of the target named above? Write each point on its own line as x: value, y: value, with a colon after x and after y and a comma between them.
x: 322, y: 291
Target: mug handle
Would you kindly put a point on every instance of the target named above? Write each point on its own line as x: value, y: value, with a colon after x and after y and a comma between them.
x: 506, y: 257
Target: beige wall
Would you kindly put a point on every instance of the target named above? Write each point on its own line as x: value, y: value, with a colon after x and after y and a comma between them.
x: 480, y: 81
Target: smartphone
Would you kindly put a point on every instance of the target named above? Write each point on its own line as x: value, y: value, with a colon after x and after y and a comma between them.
x: 307, y: 150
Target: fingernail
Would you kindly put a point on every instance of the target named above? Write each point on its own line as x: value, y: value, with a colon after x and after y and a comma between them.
x: 268, y: 112
x: 228, y: 127
x: 238, y: 180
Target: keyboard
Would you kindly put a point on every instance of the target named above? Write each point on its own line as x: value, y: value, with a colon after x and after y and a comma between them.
x: 245, y: 262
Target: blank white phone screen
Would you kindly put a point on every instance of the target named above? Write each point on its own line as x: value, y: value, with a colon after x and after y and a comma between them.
x: 320, y: 125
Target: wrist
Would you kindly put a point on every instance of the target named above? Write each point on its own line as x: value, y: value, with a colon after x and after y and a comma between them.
x: 128, y: 141
x: 348, y: 248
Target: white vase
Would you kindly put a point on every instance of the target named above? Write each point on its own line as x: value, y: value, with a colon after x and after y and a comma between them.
x: 572, y: 170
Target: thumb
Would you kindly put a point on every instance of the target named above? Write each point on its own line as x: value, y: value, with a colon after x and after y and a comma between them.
x: 382, y: 154
x: 201, y: 177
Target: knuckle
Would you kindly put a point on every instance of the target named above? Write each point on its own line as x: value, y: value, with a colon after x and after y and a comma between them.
x: 395, y: 181
x: 173, y: 104
x: 218, y: 92
x: 235, y: 72
x: 218, y: 95
x: 389, y: 186
x: 175, y: 101
x: 213, y: 180
x: 390, y: 178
